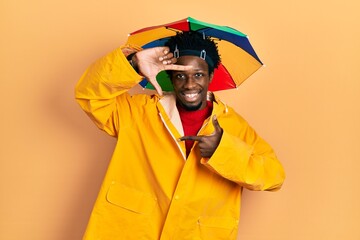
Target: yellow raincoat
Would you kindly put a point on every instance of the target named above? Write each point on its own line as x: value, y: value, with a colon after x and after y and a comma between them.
x: 151, y: 191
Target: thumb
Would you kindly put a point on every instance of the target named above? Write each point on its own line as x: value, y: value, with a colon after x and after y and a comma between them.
x: 156, y: 85
x: 216, y: 124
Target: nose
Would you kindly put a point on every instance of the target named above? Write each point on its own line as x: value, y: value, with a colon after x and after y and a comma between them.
x: 189, y: 82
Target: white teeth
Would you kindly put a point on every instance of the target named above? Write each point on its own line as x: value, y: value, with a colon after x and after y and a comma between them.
x: 191, y: 95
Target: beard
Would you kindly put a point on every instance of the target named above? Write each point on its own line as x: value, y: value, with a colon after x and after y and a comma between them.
x: 190, y: 107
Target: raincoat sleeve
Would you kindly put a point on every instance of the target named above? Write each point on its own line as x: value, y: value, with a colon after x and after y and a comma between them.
x: 245, y: 158
x: 99, y: 88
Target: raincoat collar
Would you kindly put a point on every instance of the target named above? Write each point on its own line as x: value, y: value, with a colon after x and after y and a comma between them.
x: 169, y: 112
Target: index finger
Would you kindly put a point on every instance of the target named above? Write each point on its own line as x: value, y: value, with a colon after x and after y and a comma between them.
x: 177, y: 67
x: 192, y: 138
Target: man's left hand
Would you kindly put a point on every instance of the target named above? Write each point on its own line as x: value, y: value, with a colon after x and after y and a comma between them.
x: 207, y: 143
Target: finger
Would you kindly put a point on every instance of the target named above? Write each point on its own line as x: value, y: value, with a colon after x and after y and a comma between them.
x: 168, y: 56
x: 165, y: 49
x: 169, y: 61
x: 156, y: 86
x: 177, y: 67
x: 162, y: 52
x: 192, y: 138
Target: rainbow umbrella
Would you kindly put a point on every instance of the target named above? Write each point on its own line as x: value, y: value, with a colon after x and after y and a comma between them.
x: 238, y: 58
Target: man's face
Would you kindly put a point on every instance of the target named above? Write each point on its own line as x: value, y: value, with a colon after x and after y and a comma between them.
x: 191, y: 86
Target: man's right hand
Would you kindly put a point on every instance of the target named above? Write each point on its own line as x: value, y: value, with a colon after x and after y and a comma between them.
x: 154, y: 60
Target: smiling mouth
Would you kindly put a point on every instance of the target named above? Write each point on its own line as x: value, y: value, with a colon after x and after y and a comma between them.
x: 190, y: 96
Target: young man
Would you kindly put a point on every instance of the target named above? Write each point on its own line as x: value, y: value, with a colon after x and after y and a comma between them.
x: 182, y: 158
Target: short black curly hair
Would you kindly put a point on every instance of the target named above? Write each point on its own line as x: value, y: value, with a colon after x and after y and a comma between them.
x: 193, y: 40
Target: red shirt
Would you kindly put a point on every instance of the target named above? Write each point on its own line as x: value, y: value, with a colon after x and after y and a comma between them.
x: 192, y: 121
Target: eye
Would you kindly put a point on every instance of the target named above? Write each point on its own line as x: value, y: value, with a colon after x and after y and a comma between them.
x: 179, y: 76
x: 199, y: 75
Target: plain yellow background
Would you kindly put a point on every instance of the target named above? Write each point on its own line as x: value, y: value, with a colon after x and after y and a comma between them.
x: 305, y: 102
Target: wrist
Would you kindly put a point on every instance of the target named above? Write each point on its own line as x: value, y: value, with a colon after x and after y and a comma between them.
x: 133, y: 61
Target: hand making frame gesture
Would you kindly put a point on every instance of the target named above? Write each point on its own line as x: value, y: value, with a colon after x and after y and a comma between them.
x: 154, y: 60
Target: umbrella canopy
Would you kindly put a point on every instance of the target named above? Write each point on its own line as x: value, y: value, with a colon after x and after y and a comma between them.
x: 238, y: 58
